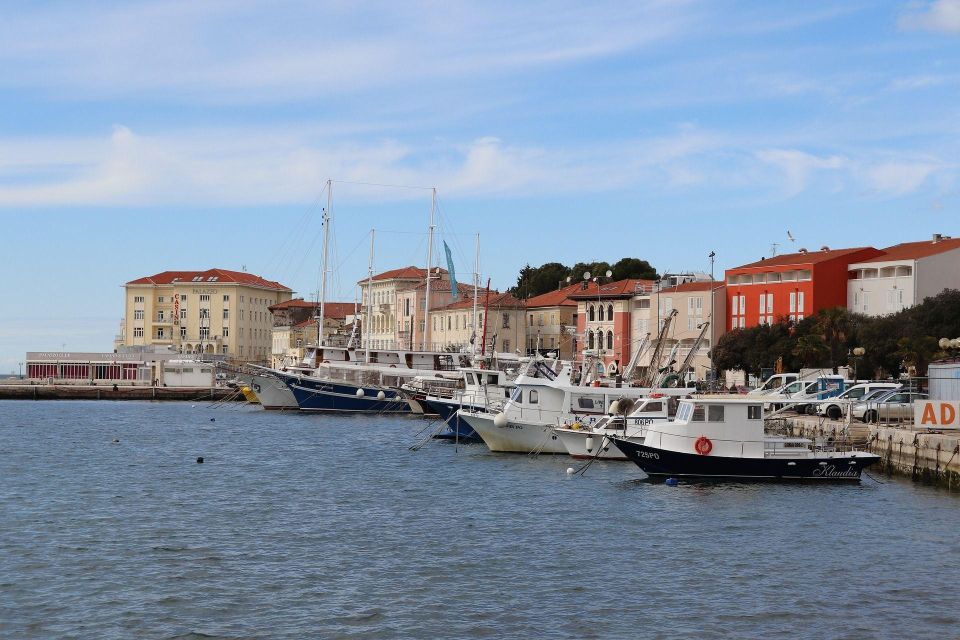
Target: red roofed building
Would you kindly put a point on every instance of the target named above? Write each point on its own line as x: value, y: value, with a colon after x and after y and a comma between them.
x: 450, y: 325
x: 552, y: 322
x: 295, y: 327
x: 793, y: 285
x: 212, y: 311
x: 904, y: 275
x: 605, y: 319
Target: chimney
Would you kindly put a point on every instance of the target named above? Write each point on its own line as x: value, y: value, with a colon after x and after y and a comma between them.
x: 802, y: 250
x: 824, y: 248
x: 937, y: 238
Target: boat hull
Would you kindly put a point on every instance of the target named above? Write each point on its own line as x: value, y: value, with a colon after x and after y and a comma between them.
x: 514, y: 437
x: 457, y: 428
x: 662, y: 462
x: 273, y: 394
x: 341, y: 397
x: 602, y: 447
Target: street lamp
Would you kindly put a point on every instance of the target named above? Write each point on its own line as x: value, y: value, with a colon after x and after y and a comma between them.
x: 20, y: 364
x: 858, y: 353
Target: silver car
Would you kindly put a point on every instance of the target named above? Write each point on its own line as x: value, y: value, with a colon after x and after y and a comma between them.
x: 886, y: 406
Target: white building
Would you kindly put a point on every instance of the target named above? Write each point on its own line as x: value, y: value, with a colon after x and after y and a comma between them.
x: 904, y: 275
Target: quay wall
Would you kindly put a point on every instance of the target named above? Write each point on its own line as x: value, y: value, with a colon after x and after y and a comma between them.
x: 108, y: 392
x: 920, y: 454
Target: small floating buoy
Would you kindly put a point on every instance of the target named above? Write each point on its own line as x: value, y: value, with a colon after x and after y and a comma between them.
x: 116, y: 441
x: 570, y: 471
x: 193, y: 406
x: 213, y: 419
x: 672, y: 482
x: 200, y: 460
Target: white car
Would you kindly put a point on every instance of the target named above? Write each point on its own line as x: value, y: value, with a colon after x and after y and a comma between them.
x: 835, y: 409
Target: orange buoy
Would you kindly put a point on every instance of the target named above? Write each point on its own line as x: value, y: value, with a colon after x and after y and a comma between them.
x: 703, y: 445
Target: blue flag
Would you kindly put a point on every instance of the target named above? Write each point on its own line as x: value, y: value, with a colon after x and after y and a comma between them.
x: 454, y: 291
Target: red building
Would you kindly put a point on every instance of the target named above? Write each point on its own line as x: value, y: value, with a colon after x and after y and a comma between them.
x: 604, y: 318
x: 793, y: 285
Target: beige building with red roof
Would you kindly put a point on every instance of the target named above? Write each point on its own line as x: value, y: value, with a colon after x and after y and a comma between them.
x: 551, y: 321
x: 605, y: 319
x: 451, y: 327
x: 696, y: 303
x: 213, y: 311
x: 903, y: 276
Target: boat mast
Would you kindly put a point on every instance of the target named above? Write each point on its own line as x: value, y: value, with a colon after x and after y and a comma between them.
x: 326, y: 247
x: 368, y: 320
x: 426, y: 303
x: 486, y: 316
x: 476, y: 285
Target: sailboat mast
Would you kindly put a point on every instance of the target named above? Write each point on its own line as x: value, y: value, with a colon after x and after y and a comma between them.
x: 476, y: 285
x: 426, y: 303
x: 486, y: 316
x: 327, y: 217
x: 367, y: 323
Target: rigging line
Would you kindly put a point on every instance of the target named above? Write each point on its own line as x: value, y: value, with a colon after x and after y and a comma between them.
x: 378, y: 184
x: 300, y: 221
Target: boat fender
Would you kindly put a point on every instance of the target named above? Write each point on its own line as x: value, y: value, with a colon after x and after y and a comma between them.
x: 359, y: 393
x: 381, y: 395
x: 703, y: 445
x: 393, y: 366
x: 500, y: 420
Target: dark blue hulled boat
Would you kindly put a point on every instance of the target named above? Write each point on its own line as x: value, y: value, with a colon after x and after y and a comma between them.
x: 483, y: 389
x: 457, y: 429
x: 725, y: 438
x: 314, y: 394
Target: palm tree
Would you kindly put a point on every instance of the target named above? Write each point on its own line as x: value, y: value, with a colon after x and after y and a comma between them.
x: 810, y: 349
x: 834, y: 327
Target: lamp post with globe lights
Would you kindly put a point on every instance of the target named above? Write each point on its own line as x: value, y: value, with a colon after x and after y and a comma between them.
x: 858, y: 352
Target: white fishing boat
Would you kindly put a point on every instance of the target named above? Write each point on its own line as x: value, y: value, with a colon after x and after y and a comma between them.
x: 629, y: 420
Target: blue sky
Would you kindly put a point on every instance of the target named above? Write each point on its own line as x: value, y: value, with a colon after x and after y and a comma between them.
x: 138, y: 137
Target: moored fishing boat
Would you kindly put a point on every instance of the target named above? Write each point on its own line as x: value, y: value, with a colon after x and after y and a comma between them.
x: 726, y: 438
x: 629, y: 420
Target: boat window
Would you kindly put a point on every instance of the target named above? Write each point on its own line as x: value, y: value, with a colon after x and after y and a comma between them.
x: 506, y: 392
x: 652, y: 407
x: 516, y: 394
x: 754, y: 412
x: 587, y: 403
x: 533, y: 397
x: 469, y: 377
x: 698, y: 413
x: 492, y: 378
x: 683, y: 412
x: 715, y: 413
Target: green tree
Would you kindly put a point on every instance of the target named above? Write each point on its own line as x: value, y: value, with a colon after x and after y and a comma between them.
x: 811, y: 349
x: 633, y: 268
x: 834, y: 328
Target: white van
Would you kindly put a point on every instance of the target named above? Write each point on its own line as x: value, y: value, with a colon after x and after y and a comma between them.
x: 774, y: 383
x: 835, y: 409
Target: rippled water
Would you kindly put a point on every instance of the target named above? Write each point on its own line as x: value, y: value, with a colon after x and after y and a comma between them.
x: 321, y: 526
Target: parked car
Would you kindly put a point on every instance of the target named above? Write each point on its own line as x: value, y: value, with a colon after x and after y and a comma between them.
x: 887, y: 405
x: 780, y: 398
x: 853, y: 395
x: 774, y: 384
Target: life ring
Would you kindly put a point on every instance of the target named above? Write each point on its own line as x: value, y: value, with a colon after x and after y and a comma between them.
x: 393, y: 366
x: 703, y: 445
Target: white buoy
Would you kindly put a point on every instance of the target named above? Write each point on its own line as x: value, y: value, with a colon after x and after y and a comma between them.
x: 570, y: 471
x: 614, y: 407
x: 359, y: 393
x: 381, y: 395
x: 589, y: 444
x: 500, y: 420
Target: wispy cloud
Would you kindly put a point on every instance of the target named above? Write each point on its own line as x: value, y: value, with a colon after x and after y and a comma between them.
x: 941, y: 16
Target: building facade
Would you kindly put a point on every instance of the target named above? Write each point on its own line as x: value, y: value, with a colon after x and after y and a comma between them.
x: 903, y: 276
x: 212, y: 312
x: 792, y: 286
x: 696, y: 303
x: 451, y: 328
x: 605, y: 319
x: 552, y: 322
x: 295, y: 327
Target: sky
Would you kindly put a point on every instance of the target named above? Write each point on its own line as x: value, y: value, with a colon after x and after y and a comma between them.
x: 137, y: 137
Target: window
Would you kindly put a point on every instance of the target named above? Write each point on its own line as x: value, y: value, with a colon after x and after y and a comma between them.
x: 183, y: 297
x: 698, y: 412
x: 138, y: 314
x: 160, y: 315
x: 223, y: 349
x: 754, y: 412
x: 204, y: 297
x: 449, y: 323
x: 600, y: 313
x: 590, y: 312
x: 226, y: 332
x: 609, y: 312
x: 531, y: 319
x: 533, y: 397
x: 763, y: 304
x: 204, y: 313
x: 793, y: 302
x: 183, y: 333
x: 138, y: 299
x: 138, y: 332
x: 769, y: 306
x: 160, y: 332
x: 226, y: 298
x: 652, y: 407
x: 506, y: 321
x: 183, y: 314
x: 715, y: 413
x: 800, y: 305
x: 506, y: 345
x: 160, y: 299
x: 589, y: 339
x: 204, y: 332
x: 609, y: 339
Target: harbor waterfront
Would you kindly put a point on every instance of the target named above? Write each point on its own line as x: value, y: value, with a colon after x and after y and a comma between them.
x: 302, y: 525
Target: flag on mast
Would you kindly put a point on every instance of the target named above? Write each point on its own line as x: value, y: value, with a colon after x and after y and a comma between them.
x: 454, y: 291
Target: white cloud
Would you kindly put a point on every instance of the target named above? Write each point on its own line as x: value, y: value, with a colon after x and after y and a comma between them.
x: 942, y: 16
x: 898, y: 178
x: 798, y: 166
